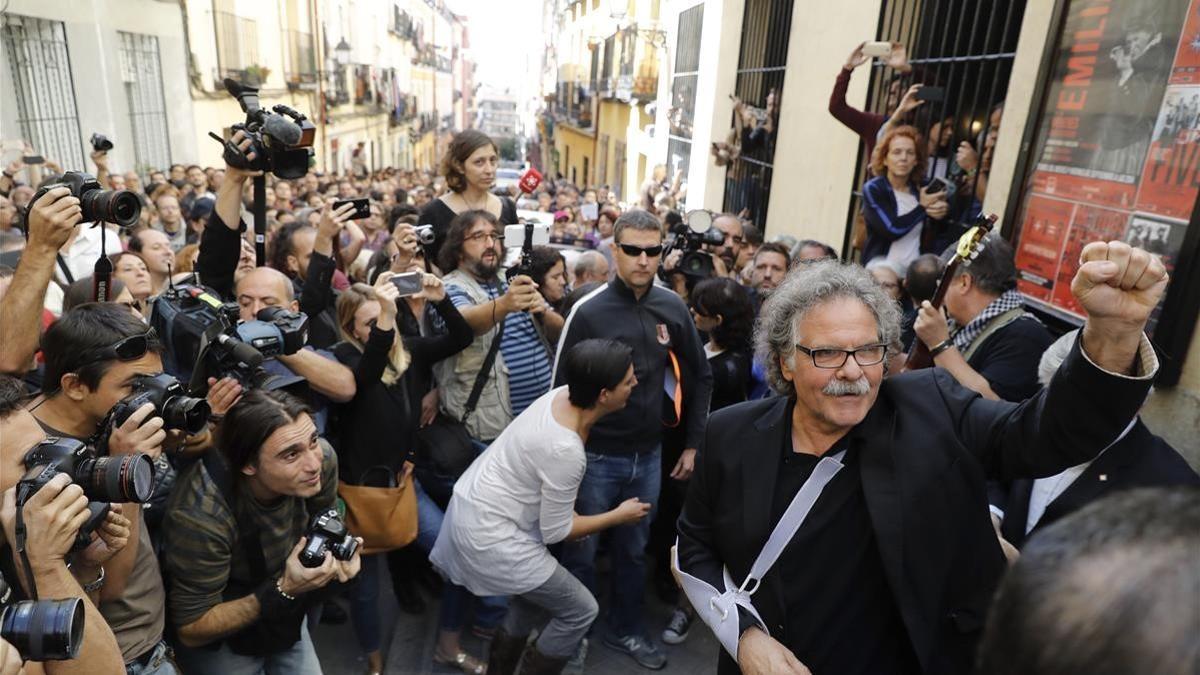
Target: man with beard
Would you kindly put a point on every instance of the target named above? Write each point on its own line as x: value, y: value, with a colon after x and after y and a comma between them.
x: 727, y: 252
x: 768, y: 269
x: 882, y: 557
x: 520, y: 371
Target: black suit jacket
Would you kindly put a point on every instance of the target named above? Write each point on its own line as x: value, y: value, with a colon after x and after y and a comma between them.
x: 1140, y: 459
x: 926, y: 447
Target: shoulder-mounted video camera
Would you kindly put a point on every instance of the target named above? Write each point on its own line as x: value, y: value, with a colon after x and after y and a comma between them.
x: 281, y: 138
x: 691, y: 236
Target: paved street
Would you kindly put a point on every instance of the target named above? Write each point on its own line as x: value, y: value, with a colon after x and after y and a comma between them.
x: 408, y: 649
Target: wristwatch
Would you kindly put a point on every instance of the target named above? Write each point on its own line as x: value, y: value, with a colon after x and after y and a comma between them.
x: 941, y: 347
x: 95, y: 585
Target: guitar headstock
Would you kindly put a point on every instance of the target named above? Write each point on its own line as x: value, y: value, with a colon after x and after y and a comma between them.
x: 971, y: 243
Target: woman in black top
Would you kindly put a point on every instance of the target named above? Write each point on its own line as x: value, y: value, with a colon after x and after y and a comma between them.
x: 377, y: 427
x: 470, y: 171
x: 723, y: 310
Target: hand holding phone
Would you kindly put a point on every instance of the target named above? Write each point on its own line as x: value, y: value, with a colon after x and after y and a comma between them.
x: 408, y: 283
x: 33, y: 159
x: 362, y: 207
x: 931, y: 94
x: 877, y: 49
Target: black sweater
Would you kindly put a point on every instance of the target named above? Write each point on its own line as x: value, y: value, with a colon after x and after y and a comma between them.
x: 437, y: 214
x: 378, y: 425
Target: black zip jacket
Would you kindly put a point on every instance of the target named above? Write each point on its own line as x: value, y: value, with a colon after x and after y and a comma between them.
x: 659, y: 322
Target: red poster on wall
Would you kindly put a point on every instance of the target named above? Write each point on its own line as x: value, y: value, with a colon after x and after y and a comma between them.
x: 1042, y: 236
x: 1171, y: 177
x: 1187, y: 59
x: 1090, y: 224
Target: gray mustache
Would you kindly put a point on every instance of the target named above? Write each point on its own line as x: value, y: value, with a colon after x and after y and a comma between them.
x: 859, y: 387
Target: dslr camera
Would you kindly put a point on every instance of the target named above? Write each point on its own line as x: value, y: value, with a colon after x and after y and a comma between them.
x: 327, y: 532
x: 281, y: 138
x: 41, y: 630
x: 100, y: 143
x: 692, y: 235
x: 171, y: 403
x: 127, y: 478
x: 205, y: 339
x: 121, y: 207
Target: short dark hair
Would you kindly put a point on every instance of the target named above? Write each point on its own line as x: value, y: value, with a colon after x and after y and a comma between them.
x: 921, y: 280
x: 592, y: 366
x: 775, y: 247
x: 1110, y: 588
x: 135, y: 241
x: 283, y: 245
x: 576, y: 295
x: 71, y: 343
x: 730, y: 300
x: 636, y: 219
x: 13, y: 395
x: 751, y: 234
x: 462, y: 146
x: 399, y: 213
x: 994, y: 270
x: 543, y: 259
x: 249, y: 423
x: 830, y: 252
x: 456, y: 235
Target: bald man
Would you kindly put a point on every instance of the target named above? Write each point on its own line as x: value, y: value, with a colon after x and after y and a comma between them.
x: 266, y: 287
x: 590, y: 266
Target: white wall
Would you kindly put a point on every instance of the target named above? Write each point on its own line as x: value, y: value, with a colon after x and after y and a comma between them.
x: 93, y: 47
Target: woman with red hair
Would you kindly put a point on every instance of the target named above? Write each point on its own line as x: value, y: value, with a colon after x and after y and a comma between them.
x: 896, y: 208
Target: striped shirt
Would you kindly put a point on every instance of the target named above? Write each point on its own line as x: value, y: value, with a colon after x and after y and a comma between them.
x: 202, y: 551
x: 524, y: 353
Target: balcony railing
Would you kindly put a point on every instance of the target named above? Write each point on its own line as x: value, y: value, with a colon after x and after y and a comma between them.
x: 237, y: 44
x: 302, y: 61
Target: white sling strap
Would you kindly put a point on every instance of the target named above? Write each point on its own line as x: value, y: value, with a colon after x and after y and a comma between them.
x: 719, y: 610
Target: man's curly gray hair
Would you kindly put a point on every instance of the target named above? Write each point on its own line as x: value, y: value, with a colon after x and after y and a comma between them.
x: 805, y: 287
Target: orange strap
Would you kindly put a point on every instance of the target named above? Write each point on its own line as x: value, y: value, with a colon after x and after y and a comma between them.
x: 677, y: 398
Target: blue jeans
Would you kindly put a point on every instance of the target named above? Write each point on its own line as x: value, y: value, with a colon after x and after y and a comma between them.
x: 159, y: 664
x: 299, y: 659
x: 610, y: 480
x: 364, y: 603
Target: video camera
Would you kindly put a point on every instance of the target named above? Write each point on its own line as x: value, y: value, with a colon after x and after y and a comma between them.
x: 121, y: 207
x: 281, y: 138
x: 691, y: 236
x: 41, y: 630
x: 205, y: 339
x: 126, y: 478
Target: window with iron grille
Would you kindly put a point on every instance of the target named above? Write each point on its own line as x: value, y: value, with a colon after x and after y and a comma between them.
x: 762, y: 63
x: 302, y: 62
x: 141, y: 73
x: 237, y: 42
x: 44, y: 91
x: 966, y: 49
x: 683, y: 90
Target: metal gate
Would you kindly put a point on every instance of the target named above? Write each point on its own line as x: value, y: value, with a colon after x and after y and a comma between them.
x: 766, y: 28
x: 683, y: 90
x: 142, y: 75
x: 967, y: 49
x: 45, y: 93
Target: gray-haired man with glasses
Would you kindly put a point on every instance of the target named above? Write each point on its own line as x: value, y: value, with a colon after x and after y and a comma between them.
x: 860, y: 502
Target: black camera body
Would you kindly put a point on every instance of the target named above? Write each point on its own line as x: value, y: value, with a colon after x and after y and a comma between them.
x: 171, y: 403
x: 41, y: 630
x: 281, y: 138
x: 100, y: 143
x: 127, y: 478
x: 120, y: 207
x: 691, y: 236
x: 327, y: 532
x: 204, y: 338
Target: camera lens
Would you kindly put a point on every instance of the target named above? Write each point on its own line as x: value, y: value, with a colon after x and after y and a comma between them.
x: 186, y: 413
x: 117, y: 479
x: 346, y: 549
x: 44, y: 630
x: 111, y: 206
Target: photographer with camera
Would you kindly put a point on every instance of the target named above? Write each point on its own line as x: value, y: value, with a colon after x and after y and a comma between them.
x: 50, y: 223
x: 251, y: 539
x: 223, y: 257
x: 97, y: 356
x: 52, y: 517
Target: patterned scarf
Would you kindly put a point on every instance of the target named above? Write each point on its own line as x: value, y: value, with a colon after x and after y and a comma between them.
x: 967, y: 334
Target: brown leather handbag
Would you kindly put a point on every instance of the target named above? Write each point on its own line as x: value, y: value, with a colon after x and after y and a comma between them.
x: 385, y: 517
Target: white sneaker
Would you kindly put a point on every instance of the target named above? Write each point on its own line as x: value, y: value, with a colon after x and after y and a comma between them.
x: 677, y: 628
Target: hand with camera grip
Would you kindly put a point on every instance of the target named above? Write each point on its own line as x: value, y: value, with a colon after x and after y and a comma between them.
x: 298, y: 579
x: 522, y: 294
x: 238, y: 149
x: 348, y: 569
x: 387, y: 294
x: 53, y: 516
x: 431, y: 288
x: 223, y: 394
x: 142, y: 432
x: 112, y: 536
x: 10, y: 659
x: 52, y: 220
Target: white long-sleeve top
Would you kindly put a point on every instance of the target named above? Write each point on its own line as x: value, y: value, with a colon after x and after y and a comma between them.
x: 514, y: 500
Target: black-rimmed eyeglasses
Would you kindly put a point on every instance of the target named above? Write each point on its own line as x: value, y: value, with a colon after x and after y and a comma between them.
x: 836, y: 358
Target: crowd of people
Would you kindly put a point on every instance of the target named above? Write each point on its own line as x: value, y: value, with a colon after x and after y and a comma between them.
x: 486, y: 422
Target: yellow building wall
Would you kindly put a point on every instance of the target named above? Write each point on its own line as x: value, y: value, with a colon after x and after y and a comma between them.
x: 613, y: 121
x: 573, y: 145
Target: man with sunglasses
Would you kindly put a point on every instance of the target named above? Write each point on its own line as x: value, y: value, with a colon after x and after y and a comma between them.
x: 851, y: 510
x: 625, y: 448
x: 94, y: 355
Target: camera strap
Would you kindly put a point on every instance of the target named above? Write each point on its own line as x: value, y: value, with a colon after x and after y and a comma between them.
x: 66, y: 271
x: 23, y: 495
x: 484, y: 372
x: 102, y: 272
x: 247, y: 535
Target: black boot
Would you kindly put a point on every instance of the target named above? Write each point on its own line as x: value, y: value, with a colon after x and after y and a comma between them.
x: 505, y: 653
x: 537, y: 663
